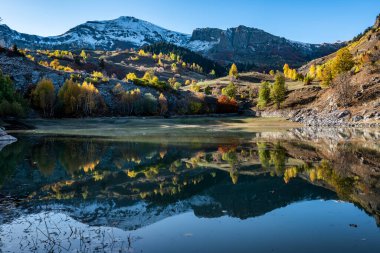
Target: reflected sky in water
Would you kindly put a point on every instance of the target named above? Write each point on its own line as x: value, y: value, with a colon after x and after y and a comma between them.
x: 289, y: 191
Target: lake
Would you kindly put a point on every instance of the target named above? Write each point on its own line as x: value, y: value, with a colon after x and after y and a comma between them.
x: 227, y: 190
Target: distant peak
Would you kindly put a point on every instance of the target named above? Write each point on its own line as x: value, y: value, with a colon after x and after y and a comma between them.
x: 128, y: 18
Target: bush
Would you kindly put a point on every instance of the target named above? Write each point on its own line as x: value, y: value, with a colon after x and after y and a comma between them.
x: 208, y: 90
x: 11, y: 109
x: 307, y: 80
x: 227, y: 105
x: 195, y: 107
x: 230, y: 90
x: 12, y: 104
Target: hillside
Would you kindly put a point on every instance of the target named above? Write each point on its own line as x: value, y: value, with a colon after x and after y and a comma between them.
x: 249, y: 47
x: 114, y: 79
x: 352, y: 97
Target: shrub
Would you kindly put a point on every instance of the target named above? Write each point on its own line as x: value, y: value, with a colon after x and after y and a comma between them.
x: 131, y: 77
x: 12, y: 104
x: 177, y: 85
x: 230, y: 90
x: 227, y: 105
x: 307, y: 80
x: 195, y: 87
x: 194, y: 107
x: 208, y: 90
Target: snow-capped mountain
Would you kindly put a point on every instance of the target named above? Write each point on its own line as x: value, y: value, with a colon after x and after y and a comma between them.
x: 244, y: 45
x: 121, y: 33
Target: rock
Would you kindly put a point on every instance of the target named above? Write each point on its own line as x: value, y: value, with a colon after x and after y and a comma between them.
x: 357, y: 118
x: 5, y: 139
x: 344, y: 114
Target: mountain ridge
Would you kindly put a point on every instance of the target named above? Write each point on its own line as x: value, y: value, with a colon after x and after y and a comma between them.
x: 242, y: 44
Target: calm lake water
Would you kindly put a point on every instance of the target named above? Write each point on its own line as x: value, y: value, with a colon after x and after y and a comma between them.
x: 291, y: 191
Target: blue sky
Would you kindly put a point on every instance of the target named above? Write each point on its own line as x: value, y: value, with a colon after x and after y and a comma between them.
x: 312, y: 21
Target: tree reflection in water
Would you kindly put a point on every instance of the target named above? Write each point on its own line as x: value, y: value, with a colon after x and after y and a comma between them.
x: 54, y: 169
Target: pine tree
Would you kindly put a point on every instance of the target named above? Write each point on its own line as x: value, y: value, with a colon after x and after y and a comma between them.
x: 264, y: 95
x: 278, y: 91
x: 230, y: 90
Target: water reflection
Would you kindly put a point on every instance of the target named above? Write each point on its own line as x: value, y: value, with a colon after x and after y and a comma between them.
x: 130, y: 185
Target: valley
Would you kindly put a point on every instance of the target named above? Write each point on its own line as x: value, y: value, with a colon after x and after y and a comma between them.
x: 212, y: 128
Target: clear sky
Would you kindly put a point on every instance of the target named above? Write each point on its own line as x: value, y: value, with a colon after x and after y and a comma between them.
x: 312, y: 21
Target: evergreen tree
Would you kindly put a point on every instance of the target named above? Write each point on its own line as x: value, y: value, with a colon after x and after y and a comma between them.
x: 264, y: 95
x: 278, y: 91
x: 230, y: 90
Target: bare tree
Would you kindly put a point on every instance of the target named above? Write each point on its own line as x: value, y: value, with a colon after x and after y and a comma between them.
x: 344, y: 89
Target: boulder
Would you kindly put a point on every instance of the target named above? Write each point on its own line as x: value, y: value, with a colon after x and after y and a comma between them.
x: 4, y: 137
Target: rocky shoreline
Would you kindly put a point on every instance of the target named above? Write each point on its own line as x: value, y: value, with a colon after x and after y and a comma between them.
x: 337, y: 118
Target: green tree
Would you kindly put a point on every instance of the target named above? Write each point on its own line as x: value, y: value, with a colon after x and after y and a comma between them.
x: 208, y: 90
x: 278, y: 91
x: 43, y: 97
x: 230, y: 90
x: 11, y: 103
x: 264, y: 95
x: 234, y: 71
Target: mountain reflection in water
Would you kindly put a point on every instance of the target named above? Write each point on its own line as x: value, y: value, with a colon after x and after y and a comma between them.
x: 129, y: 186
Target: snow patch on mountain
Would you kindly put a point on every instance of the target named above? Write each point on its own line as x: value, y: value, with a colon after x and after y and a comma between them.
x: 201, y: 46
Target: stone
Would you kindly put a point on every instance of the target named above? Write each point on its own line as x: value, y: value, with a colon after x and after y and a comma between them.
x: 357, y: 118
